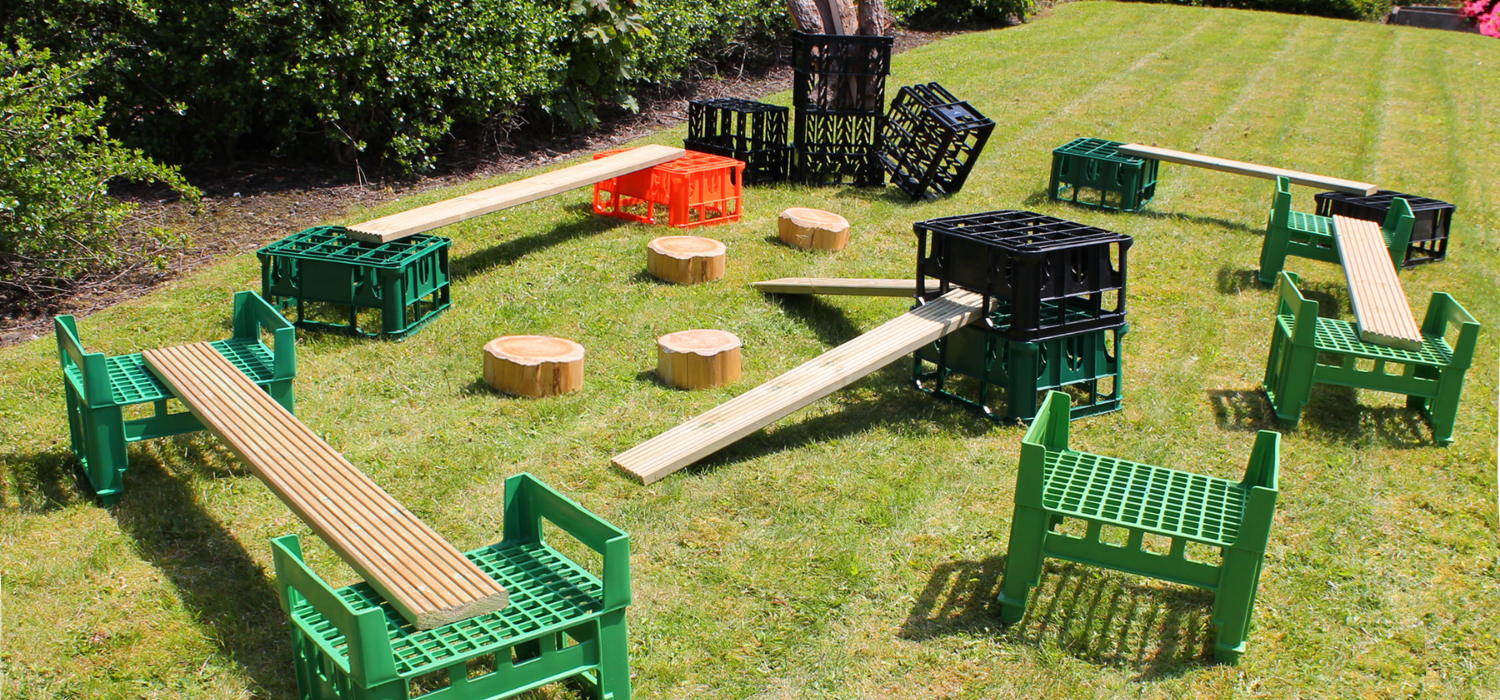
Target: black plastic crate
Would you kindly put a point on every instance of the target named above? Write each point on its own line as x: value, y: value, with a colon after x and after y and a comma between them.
x: 931, y: 140
x: 840, y: 73
x: 1054, y: 277
x: 1429, y: 233
x: 753, y: 132
x: 837, y: 149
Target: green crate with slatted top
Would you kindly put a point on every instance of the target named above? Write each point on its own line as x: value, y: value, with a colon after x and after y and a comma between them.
x: 562, y: 623
x: 1094, y: 172
x: 1108, y: 496
x: 98, y: 388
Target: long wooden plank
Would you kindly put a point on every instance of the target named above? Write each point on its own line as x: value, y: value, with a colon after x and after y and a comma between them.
x: 1224, y: 165
x: 426, y: 218
x: 705, y: 434
x: 1381, y: 309
x: 423, y: 576
x: 846, y: 286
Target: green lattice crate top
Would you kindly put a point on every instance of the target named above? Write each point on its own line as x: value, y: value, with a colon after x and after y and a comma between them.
x: 548, y: 592
x: 1335, y: 335
x: 131, y: 383
x: 1144, y: 497
x: 1312, y: 223
x: 1098, y: 149
x: 331, y: 244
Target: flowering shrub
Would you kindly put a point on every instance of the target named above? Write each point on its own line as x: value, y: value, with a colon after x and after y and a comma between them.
x: 1486, y: 14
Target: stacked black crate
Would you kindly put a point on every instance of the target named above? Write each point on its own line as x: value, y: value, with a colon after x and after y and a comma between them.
x: 1056, y: 294
x: 839, y: 96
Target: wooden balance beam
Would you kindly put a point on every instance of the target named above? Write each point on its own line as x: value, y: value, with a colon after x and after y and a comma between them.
x: 418, y: 572
x: 449, y: 211
x: 846, y: 286
x: 1224, y: 165
x: 1381, y: 309
x: 705, y: 434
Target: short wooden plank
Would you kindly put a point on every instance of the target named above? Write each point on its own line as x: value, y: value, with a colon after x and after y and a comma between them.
x: 1381, y: 309
x: 423, y: 576
x: 846, y: 286
x: 1224, y: 165
x: 705, y: 434
x: 426, y: 218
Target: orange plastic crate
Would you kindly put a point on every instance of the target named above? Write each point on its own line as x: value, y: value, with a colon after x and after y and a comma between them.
x: 697, y: 189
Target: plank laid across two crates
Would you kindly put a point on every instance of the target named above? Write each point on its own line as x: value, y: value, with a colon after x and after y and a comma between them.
x: 414, y: 221
x: 1236, y: 167
x: 423, y: 576
x: 1381, y: 309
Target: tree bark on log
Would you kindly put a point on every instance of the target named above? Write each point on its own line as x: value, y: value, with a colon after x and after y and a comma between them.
x: 698, y: 359
x: 805, y: 16
x: 533, y: 365
x: 685, y: 259
x: 874, y: 18
x: 813, y: 229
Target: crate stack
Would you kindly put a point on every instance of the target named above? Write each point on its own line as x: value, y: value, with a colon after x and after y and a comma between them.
x: 1429, y: 231
x: 1056, y: 290
x: 932, y: 140
x: 838, y: 91
x: 748, y: 131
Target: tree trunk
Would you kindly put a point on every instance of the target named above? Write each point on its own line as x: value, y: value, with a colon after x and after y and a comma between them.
x: 805, y: 16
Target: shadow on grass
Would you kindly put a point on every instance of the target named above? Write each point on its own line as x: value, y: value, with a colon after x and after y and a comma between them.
x: 43, y: 482
x: 1040, y: 197
x: 1231, y: 281
x: 1101, y: 617
x: 887, y: 194
x: 1333, y: 410
x: 1249, y: 411
x: 511, y: 251
x: 829, y: 322
x: 227, y: 593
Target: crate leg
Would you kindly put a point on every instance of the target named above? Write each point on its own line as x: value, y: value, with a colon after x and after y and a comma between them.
x: 1023, y: 561
x: 1289, y: 376
x: 1442, y: 410
x: 1273, y: 253
x: 614, y: 657
x: 104, y: 454
x: 1234, y: 602
x: 1021, y: 381
x: 392, y: 307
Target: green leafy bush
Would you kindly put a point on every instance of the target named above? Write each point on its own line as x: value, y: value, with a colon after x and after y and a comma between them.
x: 57, y: 220
x: 948, y: 13
x: 1373, y: 10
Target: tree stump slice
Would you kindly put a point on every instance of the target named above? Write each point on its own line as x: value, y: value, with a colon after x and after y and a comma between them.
x: 533, y: 365
x: 685, y: 259
x: 813, y: 229
x: 698, y: 359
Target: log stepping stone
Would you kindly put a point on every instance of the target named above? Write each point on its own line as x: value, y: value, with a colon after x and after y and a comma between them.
x: 533, y: 365
x: 685, y: 259
x: 813, y: 229
x: 698, y: 359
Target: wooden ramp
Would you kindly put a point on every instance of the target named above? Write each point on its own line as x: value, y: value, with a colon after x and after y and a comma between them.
x: 1380, y: 307
x: 701, y: 436
x: 423, y: 576
x: 848, y: 286
x: 413, y: 221
x: 1224, y: 165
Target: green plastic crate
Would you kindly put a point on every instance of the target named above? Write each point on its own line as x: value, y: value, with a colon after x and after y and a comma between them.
x: 1121, y: 182
x: 1006, y: 379
x: 562, y: 621
x: 406, y: 280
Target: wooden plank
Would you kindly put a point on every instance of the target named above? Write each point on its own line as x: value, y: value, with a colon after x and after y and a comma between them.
x: 1381, y: 309
x: 1236, y: 167
x: 423, y: 576
x: 414, y: 221
x: 846, y: 286
x: 755, y: 409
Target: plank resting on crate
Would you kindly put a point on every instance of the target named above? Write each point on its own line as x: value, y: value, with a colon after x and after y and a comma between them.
x: 846, y: 286
x: 429, y: 581
x: 1380, y: 306
x: 396, y: 226
x: 1224, y: 165
x: 705, y: 434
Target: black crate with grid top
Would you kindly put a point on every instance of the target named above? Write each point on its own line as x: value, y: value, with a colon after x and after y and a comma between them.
x: 1057, y: 277
x: 745, y: 130
x: 1429, y: 232
x: 931, y: 140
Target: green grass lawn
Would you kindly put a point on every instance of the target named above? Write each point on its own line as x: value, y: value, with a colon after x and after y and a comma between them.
x: 853, y: 549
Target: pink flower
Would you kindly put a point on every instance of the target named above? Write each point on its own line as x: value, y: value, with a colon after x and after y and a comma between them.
x: 1474, y: 9
x: 1489, y: 25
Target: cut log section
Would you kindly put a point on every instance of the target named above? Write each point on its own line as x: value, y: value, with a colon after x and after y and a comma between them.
x: 685, y: 259
x: 846, y: 286
x: 419, y: 573
x: 1224, y: 165
x: 533, y: 365
x: 698, y: 359
x: 705, y: 434
x: 1381, y: 309
x: 414, y: 221
x: 813, y: 229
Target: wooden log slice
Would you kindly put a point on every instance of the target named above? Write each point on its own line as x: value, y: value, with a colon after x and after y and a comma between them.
x: 685, y: 259
x: 533, y: 365
x: 698, y: 359
x: 813, y: 229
